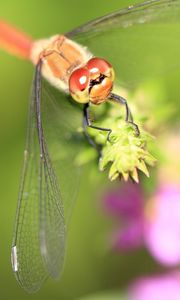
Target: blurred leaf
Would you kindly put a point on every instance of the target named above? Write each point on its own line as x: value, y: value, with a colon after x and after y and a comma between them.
x: 113, y: 295
x: 153, y: 103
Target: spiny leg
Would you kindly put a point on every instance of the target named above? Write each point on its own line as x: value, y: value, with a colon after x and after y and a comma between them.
x: 87, y: 123
x: 89, y: 139
x: 129, y: 117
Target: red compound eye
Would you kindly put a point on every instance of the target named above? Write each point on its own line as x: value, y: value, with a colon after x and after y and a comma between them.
x: 79, y: 80
x: 98, y: 65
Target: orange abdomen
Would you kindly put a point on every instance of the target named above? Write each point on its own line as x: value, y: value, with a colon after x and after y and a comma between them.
x: 14, y: 41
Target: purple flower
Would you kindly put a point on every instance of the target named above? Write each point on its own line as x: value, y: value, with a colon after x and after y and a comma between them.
x: 164, y: 287
x: 154, y: 223
x: 126, y: 201
x: 125, y: 204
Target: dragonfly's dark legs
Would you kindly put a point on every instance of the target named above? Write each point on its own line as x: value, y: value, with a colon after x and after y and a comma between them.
x: 85, y: 125
x: 37, y: 95
x: 129, y: 117
x: 90, y: 140
x: 87, y: 120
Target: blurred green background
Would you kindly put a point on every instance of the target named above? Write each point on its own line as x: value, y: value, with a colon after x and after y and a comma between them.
x: 89, y: 266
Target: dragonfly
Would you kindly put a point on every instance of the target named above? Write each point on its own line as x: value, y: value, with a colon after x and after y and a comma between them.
x: 80, y: 64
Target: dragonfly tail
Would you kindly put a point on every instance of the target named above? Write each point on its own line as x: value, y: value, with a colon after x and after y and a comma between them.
x: 14, y: 41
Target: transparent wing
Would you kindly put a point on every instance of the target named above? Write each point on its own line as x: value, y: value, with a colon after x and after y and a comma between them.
x: 48, y: 177
x: 141, y: 41
x: 26, y: 255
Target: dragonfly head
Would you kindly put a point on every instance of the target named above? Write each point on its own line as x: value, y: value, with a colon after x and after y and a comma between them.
x: 93, y: 82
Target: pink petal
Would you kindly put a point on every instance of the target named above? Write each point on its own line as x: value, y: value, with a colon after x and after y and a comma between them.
x: 162, y: 232
x: 165, y: 287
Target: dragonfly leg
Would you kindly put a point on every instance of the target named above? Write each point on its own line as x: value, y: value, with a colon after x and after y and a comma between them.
x: 129, y: 117
x: 89, y: 139
x: 87, y: 123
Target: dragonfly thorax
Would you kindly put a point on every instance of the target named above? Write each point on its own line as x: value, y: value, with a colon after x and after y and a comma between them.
x: 60, y: 57
x: 72, y: 68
